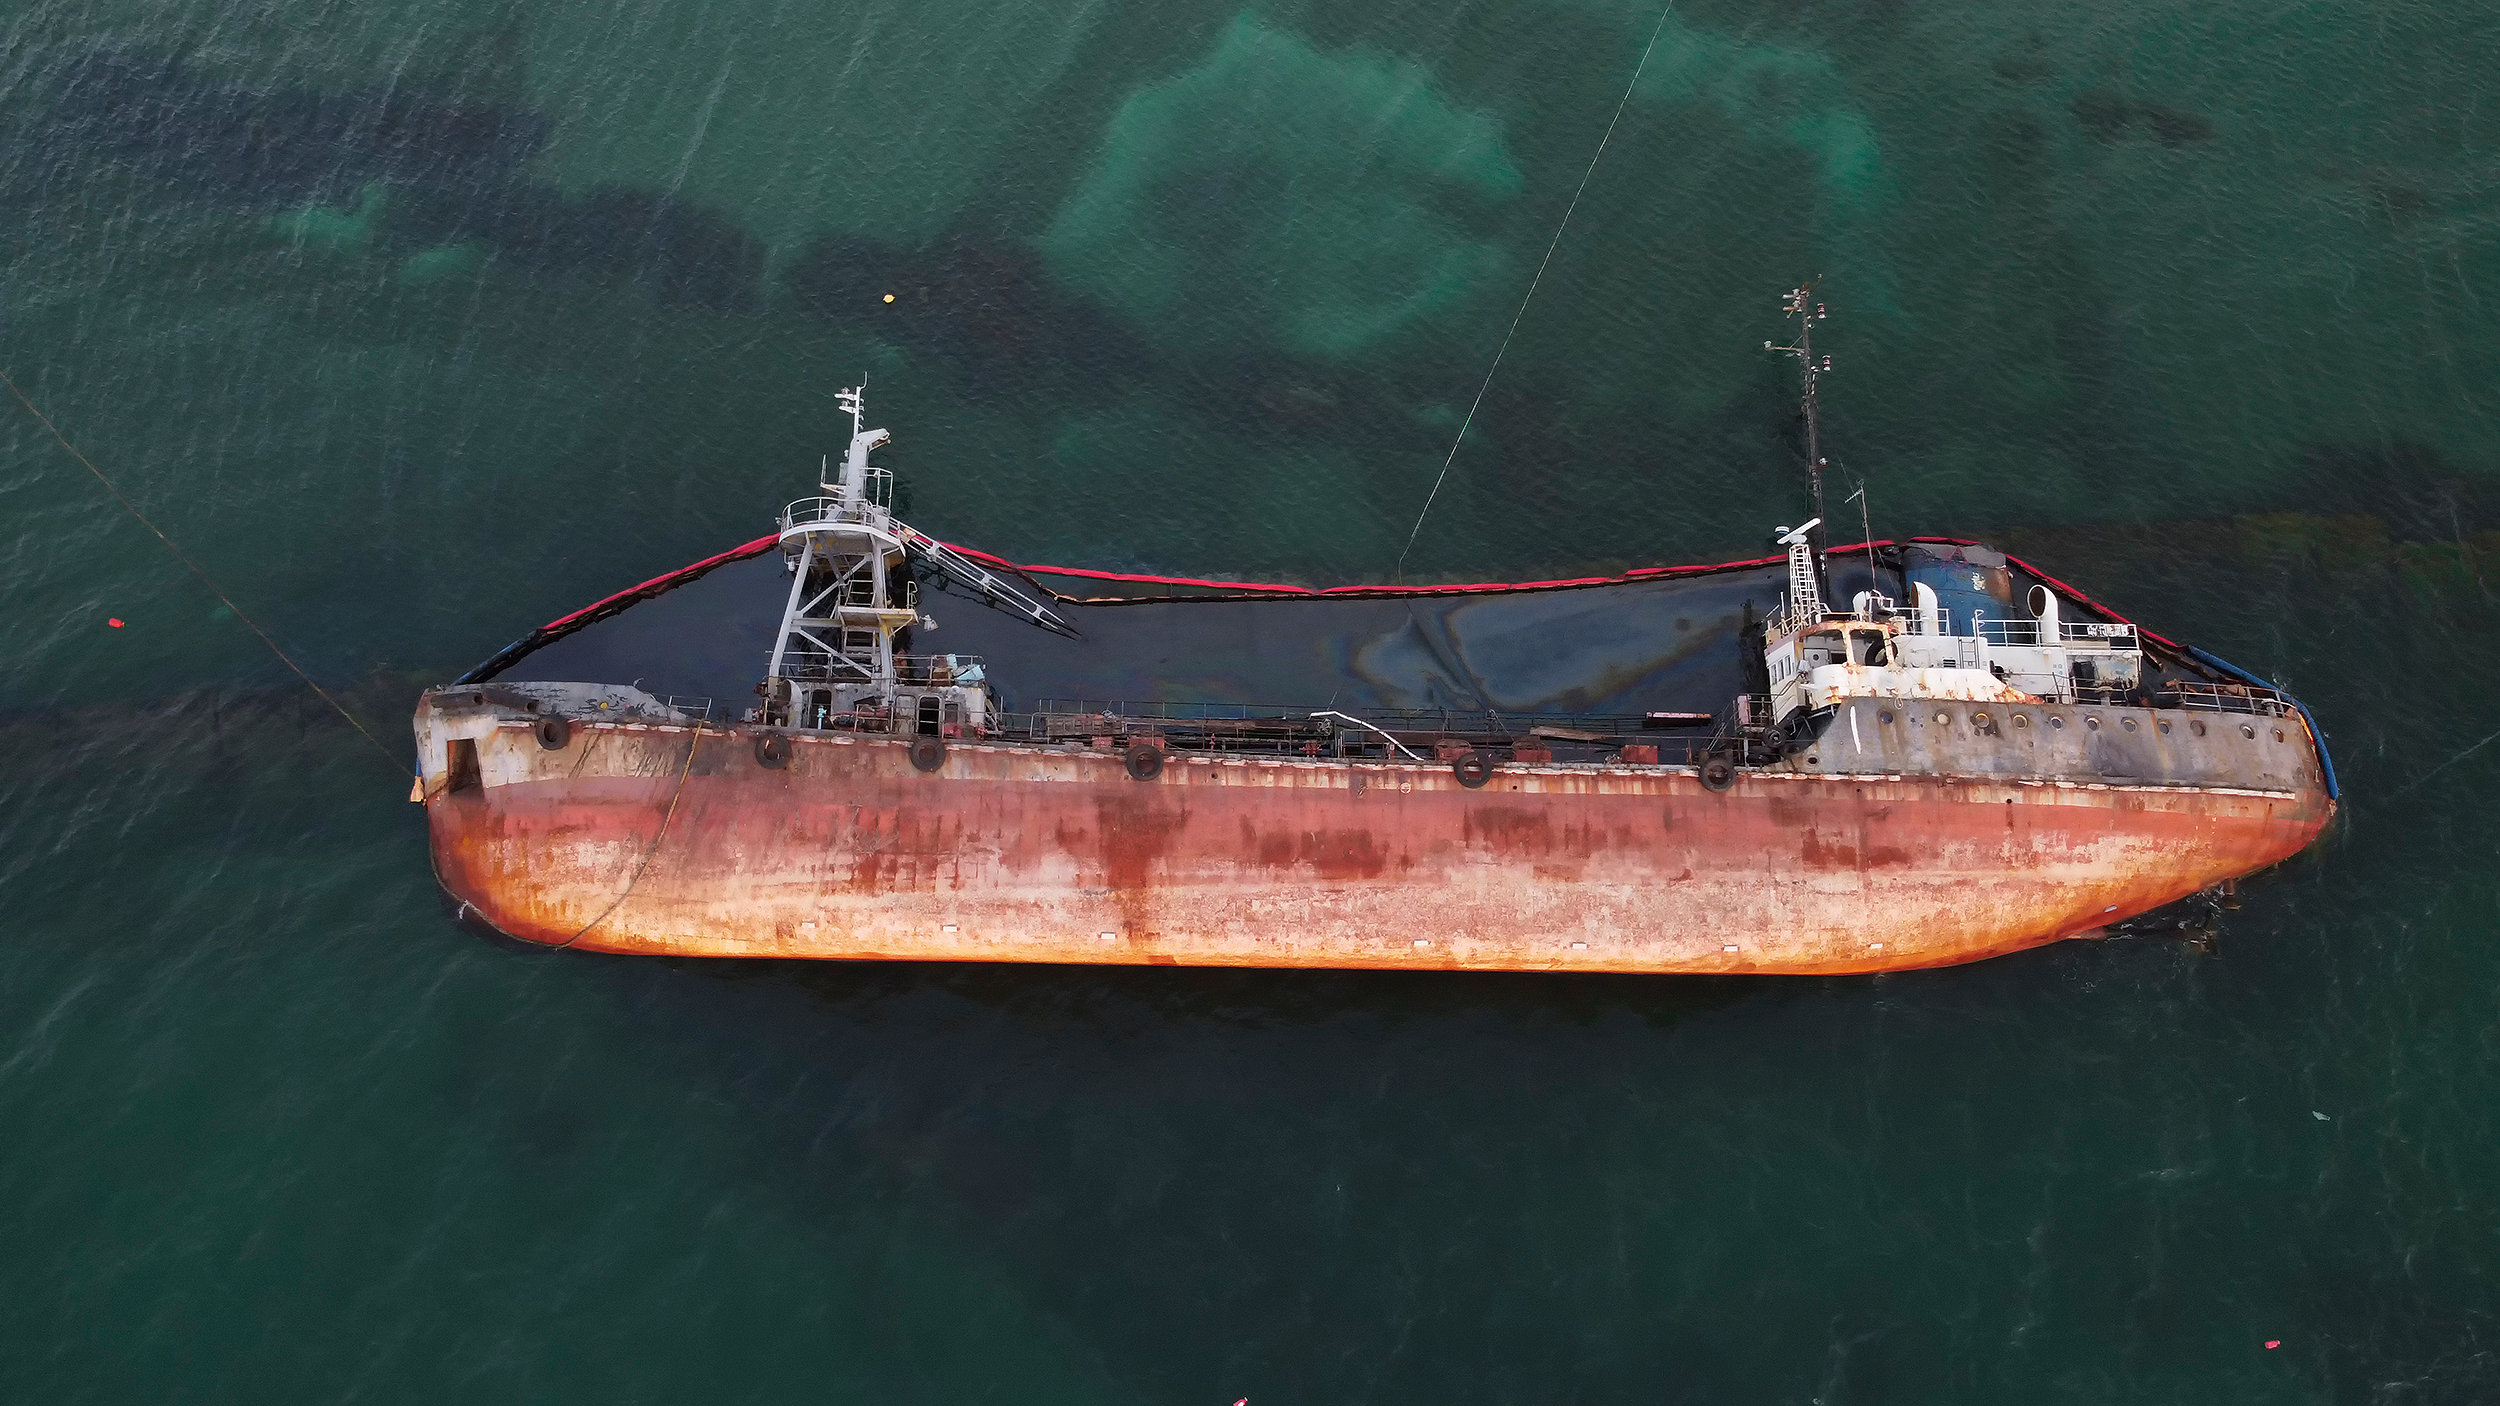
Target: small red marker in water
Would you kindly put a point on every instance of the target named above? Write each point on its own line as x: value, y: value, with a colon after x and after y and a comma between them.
x: 2273, y: 1343
x: 113, y: 620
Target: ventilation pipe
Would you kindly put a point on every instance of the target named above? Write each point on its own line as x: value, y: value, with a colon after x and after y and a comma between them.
x: 2043, y: 603
x: 1923, y: 601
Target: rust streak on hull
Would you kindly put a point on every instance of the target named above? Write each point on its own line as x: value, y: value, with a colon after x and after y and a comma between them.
x: 1029, y: 854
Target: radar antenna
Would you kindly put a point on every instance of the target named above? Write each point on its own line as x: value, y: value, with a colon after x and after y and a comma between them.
x: 1805, y: 593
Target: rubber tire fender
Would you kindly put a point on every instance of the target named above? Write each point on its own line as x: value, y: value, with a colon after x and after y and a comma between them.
x: 928, y: 753
x: 1144, y: 760
x: 1473, y: 768
x: 554, y: 734
x: 1718, y: 772
x: 772, y: 751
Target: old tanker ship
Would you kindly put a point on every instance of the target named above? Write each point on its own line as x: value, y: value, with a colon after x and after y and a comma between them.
x: 1891, y: 755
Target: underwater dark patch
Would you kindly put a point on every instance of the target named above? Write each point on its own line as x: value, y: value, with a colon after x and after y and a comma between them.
x: 680, y: 254
x: 2104, y: 115
x: 2409, y: 485
x: 2107, y: 116
x: 2175, y: 127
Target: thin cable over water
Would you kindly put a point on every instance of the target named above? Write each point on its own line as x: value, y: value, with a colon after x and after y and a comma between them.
x: 184, y: 557
x: 1559, y: 227
x: 2443, y: 766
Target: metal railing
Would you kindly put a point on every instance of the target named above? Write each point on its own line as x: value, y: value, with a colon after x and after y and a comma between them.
x: 1354, y: 734
x: 810, y: 512
x: 2057, y: 688
x: 2029, y: 634
x: 916, y: 670
x: 938, y: 670
x: 817, y: 666
x: 2225, y: 698
x: 2113, y: 634
x: 1783, y: 620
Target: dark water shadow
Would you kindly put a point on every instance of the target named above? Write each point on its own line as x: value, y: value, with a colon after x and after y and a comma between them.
x: 452, y: 167
x: 134, y: 113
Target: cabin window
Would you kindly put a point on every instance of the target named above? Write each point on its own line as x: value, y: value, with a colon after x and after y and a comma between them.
x: 1826, y: 649
x: 929, y: 717
x: 463, y: 765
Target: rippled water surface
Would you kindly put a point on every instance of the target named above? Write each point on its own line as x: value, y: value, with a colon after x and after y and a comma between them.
x: 421, y: 323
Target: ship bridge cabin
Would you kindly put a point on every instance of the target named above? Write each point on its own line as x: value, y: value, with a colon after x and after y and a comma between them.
x: 1817, y: 658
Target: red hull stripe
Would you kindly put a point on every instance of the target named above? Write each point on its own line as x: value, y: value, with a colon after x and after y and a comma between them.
x: 2081, y: 599
x: 1638, y: 573
x: 746, y: 550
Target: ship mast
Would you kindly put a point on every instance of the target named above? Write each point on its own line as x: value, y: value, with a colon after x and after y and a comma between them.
x: 1801, y: 306
x: 850, y: 595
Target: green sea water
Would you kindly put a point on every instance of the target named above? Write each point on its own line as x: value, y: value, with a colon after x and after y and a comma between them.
x: 420, y: 324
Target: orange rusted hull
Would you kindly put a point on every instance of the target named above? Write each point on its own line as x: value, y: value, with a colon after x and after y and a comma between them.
x: 623, y: 840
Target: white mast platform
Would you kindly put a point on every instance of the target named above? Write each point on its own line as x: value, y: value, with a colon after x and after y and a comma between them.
x: 835, y: 664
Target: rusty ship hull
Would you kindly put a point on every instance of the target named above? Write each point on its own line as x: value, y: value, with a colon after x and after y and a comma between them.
x: 1910, y: 837
x: 1895, y: 755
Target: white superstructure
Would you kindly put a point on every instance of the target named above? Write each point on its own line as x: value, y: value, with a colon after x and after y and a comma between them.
x: 1818, y: 658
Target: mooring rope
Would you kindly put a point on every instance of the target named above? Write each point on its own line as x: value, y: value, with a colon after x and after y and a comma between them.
x: 2443, y: 766
x: 397, y: 767
x: 1563, y: 224
x: 665, y: 817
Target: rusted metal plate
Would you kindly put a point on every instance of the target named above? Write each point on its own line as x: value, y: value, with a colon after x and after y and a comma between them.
x: 1051, y: 855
